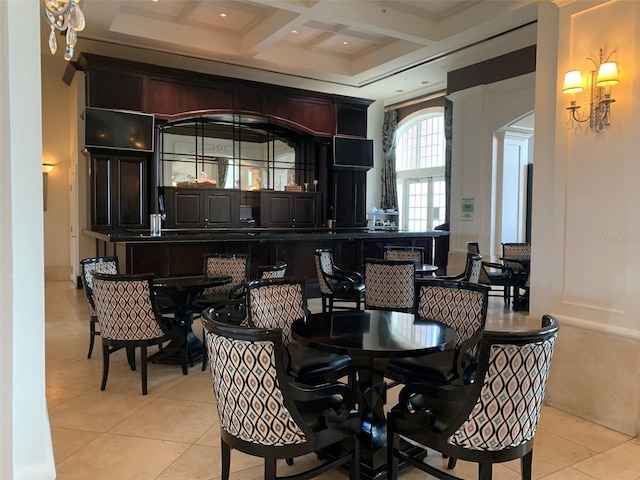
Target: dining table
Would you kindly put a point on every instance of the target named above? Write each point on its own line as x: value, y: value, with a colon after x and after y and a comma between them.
x: 372, y: 338
x: 183, y: 290
x: 425, y: 270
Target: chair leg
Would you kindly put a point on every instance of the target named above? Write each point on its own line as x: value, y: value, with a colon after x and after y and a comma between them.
x: 485, y: 471
x: 92, y: 335
x: 525, y: 465
x: 105, y: 366
x: 143, y: 368
x: 393, y: 444
x: 354, y: 465
x: 451, y: 463
x: 131, y: 357
x: 225, y: 460
x: 269, y: 468
x: 330, y: 304
x: 324, y: 304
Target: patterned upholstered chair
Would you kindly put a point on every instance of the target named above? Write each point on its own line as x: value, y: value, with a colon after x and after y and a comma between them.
x: 277, y: 303
x: 493, y: 420
x: 471, y: 272
x: 234, y: 309
x: 129, y: 317
x: 235, y: 265
x: 88, y: 266
x: 263, y: 414
x: 495, y: 275
x: 390, y: 284
x: 463, y: 307
x: 395, y: 252
x: 337, y: 284
x: 521, y: 268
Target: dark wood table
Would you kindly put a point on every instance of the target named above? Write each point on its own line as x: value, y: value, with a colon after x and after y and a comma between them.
x: 520, y: 302
x: 426, y: 269
x: 372, y: 338
x: 183, y: 290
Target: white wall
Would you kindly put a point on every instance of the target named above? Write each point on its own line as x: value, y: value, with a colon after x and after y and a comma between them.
x: 586, y: 234
x: 478, y: 113
x: 25, y: 441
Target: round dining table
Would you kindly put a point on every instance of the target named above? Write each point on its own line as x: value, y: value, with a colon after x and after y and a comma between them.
x: 183, y: 290
x: 372, y: 338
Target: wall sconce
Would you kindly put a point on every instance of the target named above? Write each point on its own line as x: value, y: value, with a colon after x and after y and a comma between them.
x: 598, y: 87
x: 46, y: 168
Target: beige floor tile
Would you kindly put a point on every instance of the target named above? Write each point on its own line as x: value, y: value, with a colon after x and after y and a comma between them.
x: 552, y: 453
x: 211, y: 437
x: 619, y: 463
x: 168, y: 419
x: 96, y: 411
x: 580, y: 431
x: 197, y: 387
x: 58, y: 396
x: 118, y: 457
x: 68, y: 441
x: 568, y: 473
x: 196, y: 463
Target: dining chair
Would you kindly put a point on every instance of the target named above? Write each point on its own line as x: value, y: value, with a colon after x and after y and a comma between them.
x: 262, y: 413
x: 491, y: 420
x: 390, y: 284
x: 471, y: 273
x: 337, y: 284
x: 496, y: 275
x: 234, y: 265
x: 397, y: 252
x: 234, y: 309
x: 277, y: 303
x: 129, y: 317
x: 521, y: 269
x: 459, y: 305
x: 88, y: 267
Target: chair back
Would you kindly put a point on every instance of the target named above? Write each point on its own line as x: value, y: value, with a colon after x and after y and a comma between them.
x: 473, y: 247
x: 460, y: 305
x: 324, y: 267
x: 89, y: 266
x: 394, y: 252
x: 389, y: 284
x: 125, y: 307
x: 474, y: 268
x: 272, y: 271
x: 516, y: 250
x: 277, y: 303
x: 483, y: 277
x: 247, y: 371
x: 503, y: 410
x: 234, y: 265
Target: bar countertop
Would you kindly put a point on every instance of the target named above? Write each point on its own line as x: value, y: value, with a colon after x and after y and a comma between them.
x: 252, y: 234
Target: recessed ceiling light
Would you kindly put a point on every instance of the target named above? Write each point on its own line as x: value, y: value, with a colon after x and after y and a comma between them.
x: 294, y: 31
x: 345, y: 43
x: 223, y: 15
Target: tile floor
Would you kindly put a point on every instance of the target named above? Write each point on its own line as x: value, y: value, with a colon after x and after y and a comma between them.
x: 172, y: 433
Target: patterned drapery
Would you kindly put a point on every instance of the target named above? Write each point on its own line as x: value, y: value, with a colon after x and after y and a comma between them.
x: 223, y: 164
x: 389, y: 177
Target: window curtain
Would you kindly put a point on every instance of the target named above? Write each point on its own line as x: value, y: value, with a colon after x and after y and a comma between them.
x: 223, y: 166
x: 389, y: 176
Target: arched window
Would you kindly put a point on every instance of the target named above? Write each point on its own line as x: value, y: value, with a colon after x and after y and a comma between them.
x: 420, y: 147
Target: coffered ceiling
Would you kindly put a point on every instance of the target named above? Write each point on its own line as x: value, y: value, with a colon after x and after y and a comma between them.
x: 380, y: 49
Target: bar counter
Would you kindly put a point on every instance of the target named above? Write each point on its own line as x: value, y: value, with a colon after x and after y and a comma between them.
x: 181, y: 251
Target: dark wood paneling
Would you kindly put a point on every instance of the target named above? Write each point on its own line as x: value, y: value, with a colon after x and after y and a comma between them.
x: 315, y: 115
x: 169, y: 98
x: 115, y: 89
x: 131, y: 195
x: 187, y: 209
x: 351, y: 120
x: 305, y: 211
x: 277, y: 212
x: 222, y: 208
x: 349, y: 198
x: 247, y: 101
x: 101, y: 185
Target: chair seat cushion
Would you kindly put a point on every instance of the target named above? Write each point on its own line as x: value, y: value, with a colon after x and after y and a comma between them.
x: 436, y: 368
x: 308, y: 362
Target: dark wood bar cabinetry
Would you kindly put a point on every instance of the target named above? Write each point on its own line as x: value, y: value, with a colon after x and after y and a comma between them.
x: 285, y: 209
x: 192, y: 207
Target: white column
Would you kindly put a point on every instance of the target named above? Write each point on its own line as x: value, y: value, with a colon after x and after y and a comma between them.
x: 25, y: 439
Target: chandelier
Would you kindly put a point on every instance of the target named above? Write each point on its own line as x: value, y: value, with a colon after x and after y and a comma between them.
x: 63, y: 15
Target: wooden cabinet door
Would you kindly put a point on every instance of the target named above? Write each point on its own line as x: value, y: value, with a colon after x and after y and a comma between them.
x: 305, y: 210
x: 119, y: 192
x: 222, y: 208
x: 275, y: 210
x: 350, y: 198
